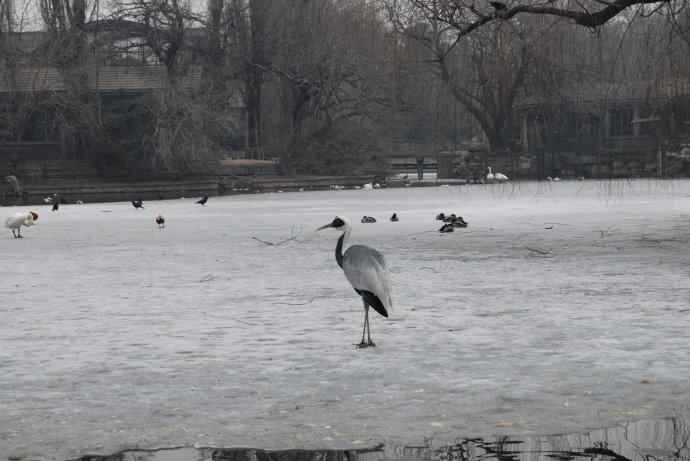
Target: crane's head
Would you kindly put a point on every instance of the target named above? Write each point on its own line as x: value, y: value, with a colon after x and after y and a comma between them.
x: 339, y: 223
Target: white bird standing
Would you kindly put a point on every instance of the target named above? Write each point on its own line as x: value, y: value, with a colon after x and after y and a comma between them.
x: 17, y: 220
x: 365, y: 269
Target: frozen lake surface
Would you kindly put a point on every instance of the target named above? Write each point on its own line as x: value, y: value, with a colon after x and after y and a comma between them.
x: 563, y: 306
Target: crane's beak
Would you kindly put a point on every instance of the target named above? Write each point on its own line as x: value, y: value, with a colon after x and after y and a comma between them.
x: 324, y: 227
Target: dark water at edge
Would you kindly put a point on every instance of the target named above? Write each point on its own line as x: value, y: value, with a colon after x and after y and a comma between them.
x: 645, y: 440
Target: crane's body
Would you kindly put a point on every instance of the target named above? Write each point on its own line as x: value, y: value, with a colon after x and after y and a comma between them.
x: 17, y: 220
x: 365, y: 269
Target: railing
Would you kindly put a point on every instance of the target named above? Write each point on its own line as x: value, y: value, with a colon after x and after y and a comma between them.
x: 30, y: 151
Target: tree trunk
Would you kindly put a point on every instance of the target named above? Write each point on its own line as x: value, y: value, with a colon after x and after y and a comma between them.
x: 252, y: 35
x: 214, y: 67
x: 258, y: 14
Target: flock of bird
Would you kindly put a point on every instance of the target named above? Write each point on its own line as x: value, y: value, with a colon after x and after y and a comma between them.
x: 27, y: 219
x: 450, y: 222
x: 364, y: 267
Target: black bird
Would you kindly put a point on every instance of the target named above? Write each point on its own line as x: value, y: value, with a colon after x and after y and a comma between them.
x: 202, y: 201
x: 138, y: 204
x: 440, y: 217
x: 394, y: 218
x: 447, y: 227
x: 498, y: 5
x: 368, y: 220
x: 459, y: 222
x: 56, y: 205
x: 160, y: 220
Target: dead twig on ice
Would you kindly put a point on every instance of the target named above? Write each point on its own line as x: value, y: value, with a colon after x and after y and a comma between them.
x: 539, y: 251
x: 658, y: 241
x: 280, y: 242
x: 292, y: 237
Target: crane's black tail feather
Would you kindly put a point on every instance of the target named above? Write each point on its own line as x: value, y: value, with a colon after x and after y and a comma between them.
x: 374, y: 301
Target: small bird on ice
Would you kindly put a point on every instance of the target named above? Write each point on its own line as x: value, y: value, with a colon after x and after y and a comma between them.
x: 17, y: 220
x: 160, y: 220
x: 458, y: 221
x: 365, y: 269
x: 203, y: 200
x: 394, y: 217
x: 447, y: 227
x: 138, y: 204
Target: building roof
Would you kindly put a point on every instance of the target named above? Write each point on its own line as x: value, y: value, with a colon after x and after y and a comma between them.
x: 103, y: 78
x: 612, y: 93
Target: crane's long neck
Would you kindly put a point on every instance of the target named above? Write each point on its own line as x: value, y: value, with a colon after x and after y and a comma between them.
x: 339, y: 247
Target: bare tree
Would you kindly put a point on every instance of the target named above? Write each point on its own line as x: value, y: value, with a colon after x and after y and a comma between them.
x: 464, y: 16
x: 328, y: 80
x: 159, y: 25
x: 250, y: 21
x: 485, y: 74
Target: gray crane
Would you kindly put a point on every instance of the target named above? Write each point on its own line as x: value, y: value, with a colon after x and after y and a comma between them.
x: 365, y: 269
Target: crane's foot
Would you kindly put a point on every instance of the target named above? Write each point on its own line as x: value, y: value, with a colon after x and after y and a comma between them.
x: 363, y: 344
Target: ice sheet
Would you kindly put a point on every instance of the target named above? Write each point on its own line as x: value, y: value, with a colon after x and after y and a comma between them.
x: 563, y: 306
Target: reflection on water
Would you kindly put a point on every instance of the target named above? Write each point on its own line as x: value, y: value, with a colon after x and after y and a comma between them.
x: 647, y: 440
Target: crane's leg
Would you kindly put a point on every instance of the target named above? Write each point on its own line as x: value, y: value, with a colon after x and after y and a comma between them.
x: 369, y: 341
x: 19, y: 232
x: 14, y: 234
x: 363, y: 344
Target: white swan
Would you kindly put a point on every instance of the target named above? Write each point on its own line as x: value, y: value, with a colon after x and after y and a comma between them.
x: 498, y: 177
